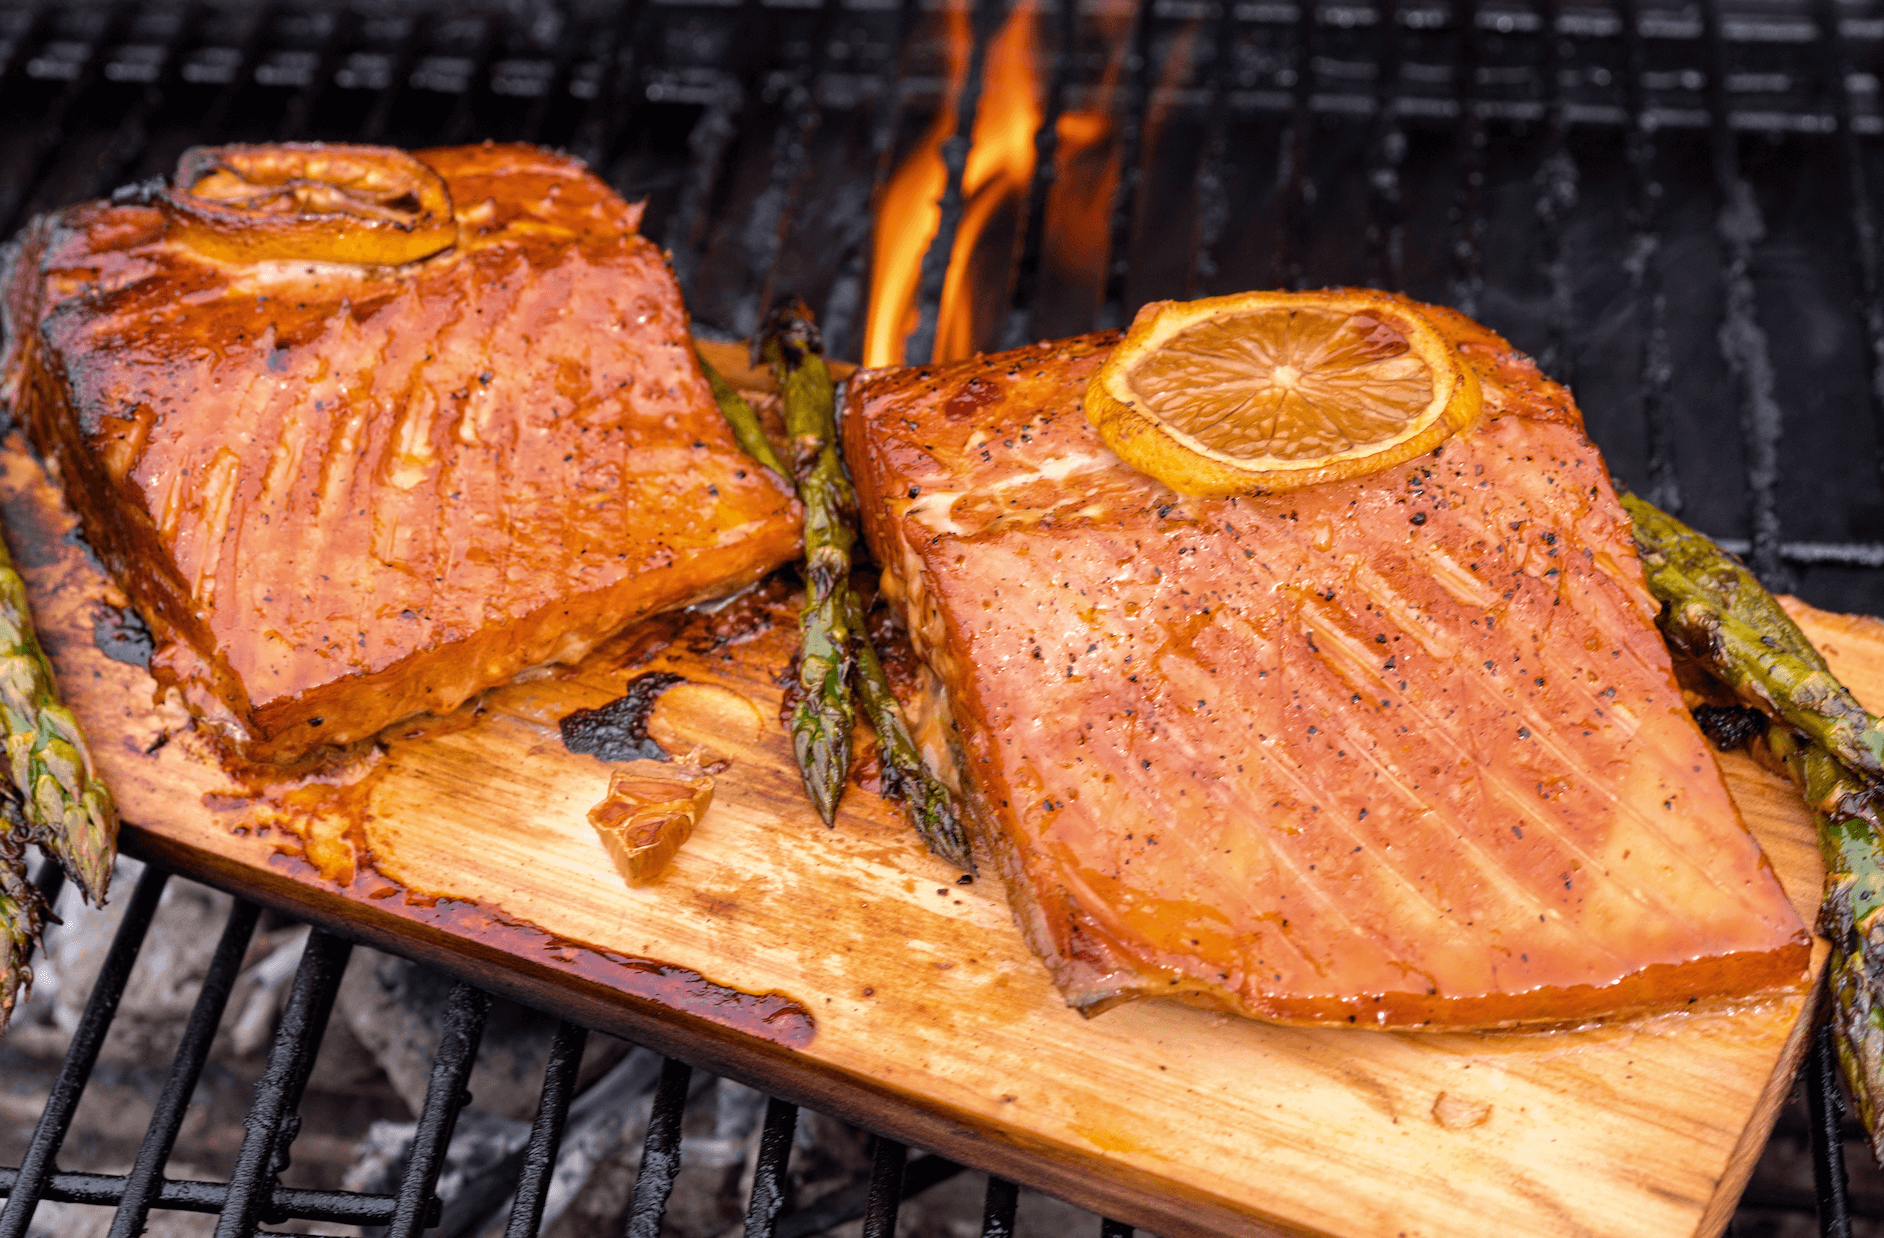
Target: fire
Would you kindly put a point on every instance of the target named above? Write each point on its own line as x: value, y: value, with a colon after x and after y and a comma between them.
x: 908, y: 216
x: 999, y: 167
x: 998, y: 171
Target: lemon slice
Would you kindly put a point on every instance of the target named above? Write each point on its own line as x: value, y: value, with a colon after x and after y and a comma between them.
x: 1269, y: 391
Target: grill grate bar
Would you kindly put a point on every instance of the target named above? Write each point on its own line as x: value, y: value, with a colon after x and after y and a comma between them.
x: 463, y: 122
x: 1468, y: 282
x: 769, y: 1173
x: 51, y: 880
x: 1032, y: 247
x: 660, y: 1155
x: 1124, y: 210
x: 1210, y: 187
x: 39, y: 1164
x: 546, y: 1133
x: 919, y: 348
x: 53, y: 130
x: 254, y: 46
x: 131, y: 138
x: 1870, y: 308
x: 31, y: 37
x: 570, y: 41
x: 1386, y: 209
x: 1743, y: 342
x: 398, y: 76
x: 465, y: 1012
x: 1556, y: 182
x: 271, y: 1123
x: 1297, y: 191
x: 842, y: 320
x: 888, y: 1158
x: 846, y: 1205
x: 617, y: 98
x: 144, y: 1184
x: 297, y: 122
x: 1748, y: 106
x: 1003, y: 1198
x: 712, y: 136
x: 1642, y: 265
x: 791, y: 158
x: 1828, y: 1149
x: 185, y: 1195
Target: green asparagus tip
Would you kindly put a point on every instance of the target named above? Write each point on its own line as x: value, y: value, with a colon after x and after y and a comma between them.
x: 789, y: 335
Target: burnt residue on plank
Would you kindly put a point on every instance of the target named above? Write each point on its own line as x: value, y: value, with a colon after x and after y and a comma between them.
x: 120, y: 634
x: 746, y: 616
x: 1729, y: 726
x: 618, y: 731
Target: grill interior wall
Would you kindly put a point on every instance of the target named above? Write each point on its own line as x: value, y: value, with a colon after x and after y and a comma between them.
x: 1673, y: 208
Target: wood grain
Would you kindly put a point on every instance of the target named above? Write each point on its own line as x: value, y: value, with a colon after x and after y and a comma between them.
x: 887, y: 993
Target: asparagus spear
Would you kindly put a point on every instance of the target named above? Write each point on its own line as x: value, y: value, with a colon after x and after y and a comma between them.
x: 1718, y: 614
x: 68, y: 810
x: 1715, y: 611
x: 823, y: 717
x: 743, y: 422
x: 21, y: 914
x: 1851, y: 840
x: 928, y: 801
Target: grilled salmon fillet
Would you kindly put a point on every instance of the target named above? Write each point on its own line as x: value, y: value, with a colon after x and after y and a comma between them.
x: 343, y: 493
x: 1404, y: 751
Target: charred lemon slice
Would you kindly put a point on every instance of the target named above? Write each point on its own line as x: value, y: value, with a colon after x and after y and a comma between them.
x: 370, y: 205
x: 1270, y: 391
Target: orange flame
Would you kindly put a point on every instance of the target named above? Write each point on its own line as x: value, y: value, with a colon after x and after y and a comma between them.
x: 999, y: 167
x: 908, y: 215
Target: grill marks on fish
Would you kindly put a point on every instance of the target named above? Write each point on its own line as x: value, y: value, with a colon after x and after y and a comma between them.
x: 1403, y: 751
x: 343, y: 494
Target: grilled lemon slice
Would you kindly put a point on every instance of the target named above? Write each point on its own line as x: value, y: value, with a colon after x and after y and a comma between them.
x: 1269, y: 391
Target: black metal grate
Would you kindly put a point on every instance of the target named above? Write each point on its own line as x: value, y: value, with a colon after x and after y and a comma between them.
x: 254, y: 1195
x: 1671, y: 204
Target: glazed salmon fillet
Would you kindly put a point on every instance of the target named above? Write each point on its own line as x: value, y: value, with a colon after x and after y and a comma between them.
x: 345, y: 493
x: 1403, y: 751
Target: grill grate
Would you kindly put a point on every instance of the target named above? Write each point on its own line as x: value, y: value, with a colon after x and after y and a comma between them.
x: 1671, y: 204
x: 254, y: 1195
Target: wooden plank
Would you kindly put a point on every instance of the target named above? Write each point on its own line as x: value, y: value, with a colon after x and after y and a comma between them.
x: 845, y: 967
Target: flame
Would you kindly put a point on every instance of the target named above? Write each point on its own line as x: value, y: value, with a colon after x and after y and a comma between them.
x: 909, y: 214
x: 1087, y: 175
x: 999, y: 167
x: 998, y: 171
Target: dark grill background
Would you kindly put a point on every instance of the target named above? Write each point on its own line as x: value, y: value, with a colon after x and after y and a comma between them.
x: 1673, y: 208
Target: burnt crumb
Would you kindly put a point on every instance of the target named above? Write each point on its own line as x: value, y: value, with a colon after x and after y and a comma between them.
x: 1730, y: 726
x: 751, y: 614
x: 120, y: 634
x: 618, y: 731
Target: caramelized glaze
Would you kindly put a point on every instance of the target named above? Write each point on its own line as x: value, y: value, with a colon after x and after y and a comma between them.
x: 1404, y: 751
x: 344, y: 492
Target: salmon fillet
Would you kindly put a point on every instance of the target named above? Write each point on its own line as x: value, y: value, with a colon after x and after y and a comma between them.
x: 342, y: 494
x: 1404, y: 751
